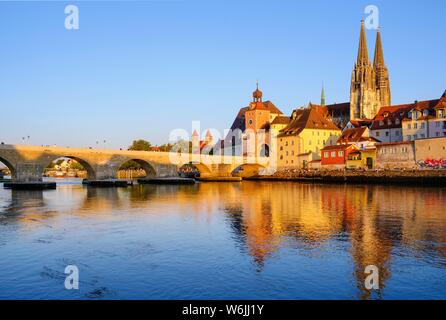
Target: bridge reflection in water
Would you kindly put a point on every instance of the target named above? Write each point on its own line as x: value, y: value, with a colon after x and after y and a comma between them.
x: 276, y: 240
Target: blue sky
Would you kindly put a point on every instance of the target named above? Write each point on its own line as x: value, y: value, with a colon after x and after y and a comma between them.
x: 139, y: 69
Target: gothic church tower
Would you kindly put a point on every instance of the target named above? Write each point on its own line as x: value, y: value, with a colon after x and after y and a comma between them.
x: 382, y: 74
x: 370, y: 86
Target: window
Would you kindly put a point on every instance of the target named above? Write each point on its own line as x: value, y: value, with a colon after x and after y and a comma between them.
x: 333, y: 154
x: 415, y: 125
x: 387, y: 133
x: 422, y: 125
x: 381, y: 123
x: 292, y: 142
x: 340, y: 153
x: 397, y: 121
x: 377, y: 133
x: 409, y: 126
x: 389, y: 122
x: 250, y: 121
x: 437, y: 124
x: 415, y: 136
x: 397, y: 133
x: 325, y: 154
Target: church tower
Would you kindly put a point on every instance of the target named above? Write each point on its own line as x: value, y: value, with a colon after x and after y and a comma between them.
x: 363, y: 95
x: 382, y: 74
x: 370, y: 85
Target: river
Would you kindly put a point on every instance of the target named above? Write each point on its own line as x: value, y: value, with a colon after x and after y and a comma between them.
x: 248, y: 240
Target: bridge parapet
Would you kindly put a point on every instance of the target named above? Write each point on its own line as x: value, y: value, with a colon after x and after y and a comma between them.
x: 27, y: 163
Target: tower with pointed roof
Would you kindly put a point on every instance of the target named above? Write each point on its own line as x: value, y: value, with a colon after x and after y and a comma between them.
x: 323, y: 96
x: 382, y: 73
x: 370, y: 85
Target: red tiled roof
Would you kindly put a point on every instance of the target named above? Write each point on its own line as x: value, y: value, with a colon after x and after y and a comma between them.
x: 239, y: 122
x: 361, y: 123
x: 353, y: 135
x: 398, y: 112
x: 309, y: 118
x: 281, y: 120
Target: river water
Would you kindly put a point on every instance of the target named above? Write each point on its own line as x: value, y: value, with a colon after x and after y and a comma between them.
x: 249, y: 240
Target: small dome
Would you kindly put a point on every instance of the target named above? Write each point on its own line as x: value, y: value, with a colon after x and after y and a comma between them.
x: 257, y: 95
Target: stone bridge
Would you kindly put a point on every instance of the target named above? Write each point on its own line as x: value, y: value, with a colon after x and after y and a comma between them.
x: 27, y: 163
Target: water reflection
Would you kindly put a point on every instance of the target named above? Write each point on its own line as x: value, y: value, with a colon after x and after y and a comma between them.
x: 371, y: 225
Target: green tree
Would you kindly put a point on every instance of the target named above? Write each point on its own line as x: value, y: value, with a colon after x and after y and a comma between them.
x: 140, y: 145
x: 166, y: 147
x: 76, y: 165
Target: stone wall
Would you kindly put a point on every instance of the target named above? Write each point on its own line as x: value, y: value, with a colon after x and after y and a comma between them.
x: 430, y: 152
x: 395, y: 156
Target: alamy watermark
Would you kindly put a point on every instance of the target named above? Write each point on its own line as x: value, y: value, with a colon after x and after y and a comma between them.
x: 371, y: 281
x: 372, y: 19
x: 72, y: 279
x: 72, y: 17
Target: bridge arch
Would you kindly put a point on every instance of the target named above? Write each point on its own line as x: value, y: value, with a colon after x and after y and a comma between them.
x: 201, y: 168
x: 145, y: 165
x: 247, y: 170
x: 91, y: 172
x: 10, y: 166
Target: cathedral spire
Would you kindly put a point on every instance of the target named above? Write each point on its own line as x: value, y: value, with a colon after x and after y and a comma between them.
x: 379, y: 56
x: 323, y: 95
x: 363, y: 55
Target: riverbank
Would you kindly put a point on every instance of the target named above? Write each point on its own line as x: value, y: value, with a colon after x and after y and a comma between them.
x: 418, y: 177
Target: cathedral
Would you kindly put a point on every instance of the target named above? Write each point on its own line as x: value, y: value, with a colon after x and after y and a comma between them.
x: 370, y: 85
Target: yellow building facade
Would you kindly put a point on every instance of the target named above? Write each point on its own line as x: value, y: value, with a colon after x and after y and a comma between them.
x: 303, y: 138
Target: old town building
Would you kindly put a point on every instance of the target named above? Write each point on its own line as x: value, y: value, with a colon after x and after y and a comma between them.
x: 250, y: 132
x: 425, y: 119
x: 360, y: 137
x: 335, y: 157
x: 302, y: 139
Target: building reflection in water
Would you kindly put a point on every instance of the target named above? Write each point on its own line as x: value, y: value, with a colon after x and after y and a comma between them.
x: 264, y: 217
x: 372, y: 219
